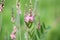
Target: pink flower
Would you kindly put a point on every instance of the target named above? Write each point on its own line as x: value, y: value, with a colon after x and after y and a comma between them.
x: 13, y: 33
x: 12, y: 36
x: 26, y: 18
x: 0, y: 7
x: 29, y: 18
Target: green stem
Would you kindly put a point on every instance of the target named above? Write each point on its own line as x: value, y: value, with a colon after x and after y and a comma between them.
x: 0, y: 21
x: 18, y: 26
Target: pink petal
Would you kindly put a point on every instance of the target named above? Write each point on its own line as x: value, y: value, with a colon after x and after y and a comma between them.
x: 13, y: 36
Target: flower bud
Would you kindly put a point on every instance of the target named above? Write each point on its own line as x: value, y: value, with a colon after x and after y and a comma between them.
x: 1, y: 7
x: 12, y: 20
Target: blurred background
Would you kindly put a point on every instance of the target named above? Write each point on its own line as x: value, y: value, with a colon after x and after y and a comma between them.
x: 47, y: 10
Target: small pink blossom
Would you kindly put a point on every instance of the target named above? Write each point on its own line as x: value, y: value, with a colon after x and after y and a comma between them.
x: 12, y: 36
x: 29, y: 18
x: 26, y: 18
x: 1, y: 7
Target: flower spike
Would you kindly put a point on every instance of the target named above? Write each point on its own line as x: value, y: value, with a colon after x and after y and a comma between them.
x: 2, y: 5
x: 12, y: 19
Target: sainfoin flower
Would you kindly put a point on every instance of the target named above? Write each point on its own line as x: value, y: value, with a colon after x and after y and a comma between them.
x: 29, y: 18
x: 18, y: 8
x: 13, y: 36
x: 0, y: 7
x: 13, y: 19
x: 14, y: 29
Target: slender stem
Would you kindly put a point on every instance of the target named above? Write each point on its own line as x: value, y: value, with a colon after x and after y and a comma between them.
x: 35, y: 5
x: 18, y: 19
x: 0, y: 21
x: 18, y: 24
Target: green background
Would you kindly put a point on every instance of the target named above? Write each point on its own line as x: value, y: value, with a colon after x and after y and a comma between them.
x: 47, y: 10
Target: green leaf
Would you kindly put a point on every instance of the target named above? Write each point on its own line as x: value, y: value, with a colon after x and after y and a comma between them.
x: 41, y: 29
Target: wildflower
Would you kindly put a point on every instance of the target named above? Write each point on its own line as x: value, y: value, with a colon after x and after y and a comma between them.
x: 14, y: 29
x: 1, y: 7
x: 18, y: 8
x: 26, y: 18
x: 29, y: 18
x: 18, y: 5
x: 12, y: 19
x: 13, y: 36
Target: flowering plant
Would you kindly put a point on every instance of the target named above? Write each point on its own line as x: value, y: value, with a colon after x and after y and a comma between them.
x: 13, y: 36
x: 29, y: 18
